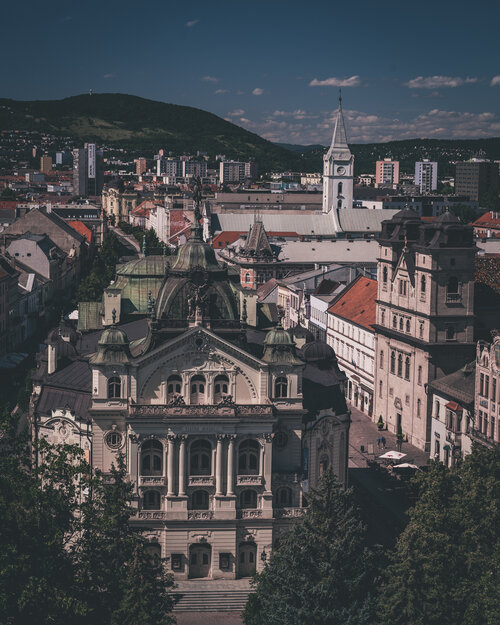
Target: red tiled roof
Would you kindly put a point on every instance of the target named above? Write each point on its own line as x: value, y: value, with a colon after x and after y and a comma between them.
x: 487, y: 221
x: 357, y: 302
x: 8, y: 204
x: 80, y: 227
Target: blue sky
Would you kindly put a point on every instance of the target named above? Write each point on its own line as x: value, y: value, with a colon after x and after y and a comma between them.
x: 407, y: 69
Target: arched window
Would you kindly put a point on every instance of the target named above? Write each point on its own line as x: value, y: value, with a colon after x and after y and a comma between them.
x: 421, y: 330
x: 395, y: 322
x: 419, y: 407
x: 200, y: 458
x: 339, y: 189
x: 152, y: 457
x: 401, y: 324
x: 248, y: 458
x: 248, y: 499
x: 419, y: 375
x: 151, y: 500
x: 339, y: 204
x: 381, y: 359
x: 408, y: 325
x: 407, y: 368
x: 423, y: 285
x: 197, y: 394
x: 174, y: 387
x: 324, y: 462
x: 281, y: 387
x: 247, y: 277
x: 221, y: 388
x: 114, y: 388
x: 283, y: 497
x: 382, y: 317
x: 452, y: 287
x: 380, y: 388
x: 199, y: 500
x: 384, y: 275
x: 400, y: 365
x: 393, y: 362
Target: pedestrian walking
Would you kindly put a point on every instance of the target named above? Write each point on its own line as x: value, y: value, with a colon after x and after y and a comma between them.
x: 382, y: 440
x: 378, y: 442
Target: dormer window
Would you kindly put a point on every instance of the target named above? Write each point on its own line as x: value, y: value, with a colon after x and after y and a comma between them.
x: 281, y: 387
x: 114, y: 388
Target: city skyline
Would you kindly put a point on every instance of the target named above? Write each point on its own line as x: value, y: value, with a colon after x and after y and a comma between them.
x: 405, y: 72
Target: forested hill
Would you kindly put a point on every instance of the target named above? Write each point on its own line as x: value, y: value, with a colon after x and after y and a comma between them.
x: 144, y: 126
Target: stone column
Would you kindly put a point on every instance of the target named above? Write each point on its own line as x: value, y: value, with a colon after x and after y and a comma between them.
x: 268, y: 459
x: 182, y: 465
x: 170, y: 465
x: 230, y: 465
x: 218, y: 466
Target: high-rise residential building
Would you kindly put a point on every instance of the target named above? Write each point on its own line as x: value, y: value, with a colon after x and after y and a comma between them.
x: 63, y: 157
x: 88, y: 170
x: 140, y: 165
x: 387, y: 172
x: 168, y: 166
x: 251, y: 170
x: 338, y: 168
x: 425, y: 316
x: 193, y: 168
x: 46, y: 164
x: 476, y: 177
x: 231, y: 171
x: 426, y: 176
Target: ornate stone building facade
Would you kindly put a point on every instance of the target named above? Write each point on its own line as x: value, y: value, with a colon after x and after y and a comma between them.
x: 223, y: 428
x: 425, y: 316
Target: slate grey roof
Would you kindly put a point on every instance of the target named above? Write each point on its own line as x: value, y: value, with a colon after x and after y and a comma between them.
x: 459, y: 385
x: 337, y: 251
x: 363, y: 220
x: 303, y: 223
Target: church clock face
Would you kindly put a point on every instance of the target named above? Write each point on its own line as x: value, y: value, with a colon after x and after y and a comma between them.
x: 341, y: 170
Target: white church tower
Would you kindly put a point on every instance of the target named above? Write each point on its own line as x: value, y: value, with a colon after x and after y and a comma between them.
x: 338, y: 168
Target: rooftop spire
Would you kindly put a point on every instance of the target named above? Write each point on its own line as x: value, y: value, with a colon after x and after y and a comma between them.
x: 339, y: 139
x: 196, y: 227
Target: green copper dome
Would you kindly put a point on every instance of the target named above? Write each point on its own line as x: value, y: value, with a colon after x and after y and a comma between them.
x: 279, y: 347
x: 112, y: 347
x: 195, y: 253
x: 278, y: 336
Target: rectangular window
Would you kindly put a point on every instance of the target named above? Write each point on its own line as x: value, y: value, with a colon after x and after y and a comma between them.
x: 481, y: 384
x: 494, y: 389
x: 486, y: 385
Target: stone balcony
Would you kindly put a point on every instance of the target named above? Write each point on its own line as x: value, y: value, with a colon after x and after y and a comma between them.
x: 152, y: 480
x: 149, y: 515
x: 252, y: 513
x: 201, y: 480
x: 200, y: 515
x: 249, y: 480
x: 235, y: 411
x: 288, y: 513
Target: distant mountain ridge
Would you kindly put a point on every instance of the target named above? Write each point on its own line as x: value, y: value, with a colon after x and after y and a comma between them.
x: 142, y: 125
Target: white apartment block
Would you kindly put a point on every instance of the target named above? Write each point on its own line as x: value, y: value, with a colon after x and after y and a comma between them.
x: 350, y: 333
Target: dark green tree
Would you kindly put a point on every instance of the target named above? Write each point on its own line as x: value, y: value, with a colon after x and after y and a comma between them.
x: 322, y: 573
x: 445, y: 568
x: 37, y: 512
x: 145, y: 597
x: 490, y: 200
x: 465, y: 213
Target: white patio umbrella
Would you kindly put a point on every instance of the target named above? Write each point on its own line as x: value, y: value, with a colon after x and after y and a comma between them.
x: 405, y: 465
x: 392, y: 455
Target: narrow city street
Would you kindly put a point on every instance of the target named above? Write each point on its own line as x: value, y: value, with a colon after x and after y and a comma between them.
x: 383, y: 499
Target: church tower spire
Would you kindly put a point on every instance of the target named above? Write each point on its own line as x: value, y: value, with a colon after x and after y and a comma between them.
x: 338, y: 168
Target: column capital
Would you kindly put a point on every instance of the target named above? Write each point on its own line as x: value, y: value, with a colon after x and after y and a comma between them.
x: 268, y: 437
x: 182, y: 437
x: 221, y: 437
x: 172, y: 437
x: 231, y: 437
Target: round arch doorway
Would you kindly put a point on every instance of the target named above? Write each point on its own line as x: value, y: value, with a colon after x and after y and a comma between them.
x: 247, y: 559
x: 200, y: 558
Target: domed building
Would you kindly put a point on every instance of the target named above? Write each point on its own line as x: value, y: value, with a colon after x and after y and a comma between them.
x: 217, y: 422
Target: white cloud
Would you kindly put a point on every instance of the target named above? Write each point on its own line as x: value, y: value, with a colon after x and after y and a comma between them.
x: 210, y: 79
x: 495, y: 81
x: 364, y: 127
x: 220, y: 91
x: 236, y: 113
x: 109, y: 76
x: 436, y: 82
x: 192, y: 23
x: 258, y: 91
x: 353, y: 81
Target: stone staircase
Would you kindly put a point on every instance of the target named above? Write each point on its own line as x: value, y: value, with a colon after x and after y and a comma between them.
x: 215, y: 596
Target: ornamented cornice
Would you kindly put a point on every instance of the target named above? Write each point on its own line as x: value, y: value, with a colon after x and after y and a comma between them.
x: 139, y: 411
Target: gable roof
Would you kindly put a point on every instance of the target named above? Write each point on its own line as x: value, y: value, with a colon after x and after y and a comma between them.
x: 488, y: 220
x: 357, y: 303
x: 80, y: 227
